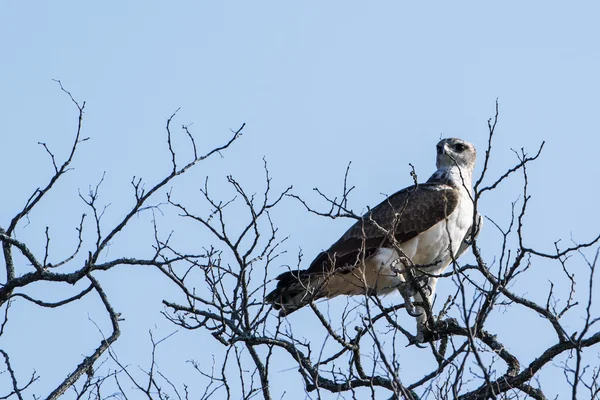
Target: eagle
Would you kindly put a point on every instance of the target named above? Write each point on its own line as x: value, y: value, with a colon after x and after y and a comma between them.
x: 424, y: 227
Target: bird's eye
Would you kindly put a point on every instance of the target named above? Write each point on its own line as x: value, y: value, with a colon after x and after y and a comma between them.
x: 459, y: 147
x: 439, y: 149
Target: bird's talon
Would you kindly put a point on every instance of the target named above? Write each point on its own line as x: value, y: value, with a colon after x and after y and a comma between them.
x: 416, y: 341
x: 413, y: 312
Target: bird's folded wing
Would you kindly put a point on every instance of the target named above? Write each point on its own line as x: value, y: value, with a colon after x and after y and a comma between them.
x: 404, y: 215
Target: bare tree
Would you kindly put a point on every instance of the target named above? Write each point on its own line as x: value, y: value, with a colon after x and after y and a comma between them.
x: 31, y: 266
x: 362, y: 355
x: 358, y: 349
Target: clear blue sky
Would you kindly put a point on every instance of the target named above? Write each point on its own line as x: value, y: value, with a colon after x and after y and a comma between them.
x: 318, y: 84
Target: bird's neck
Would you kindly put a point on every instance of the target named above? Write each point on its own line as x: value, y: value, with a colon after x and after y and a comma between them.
x: 453, y: 176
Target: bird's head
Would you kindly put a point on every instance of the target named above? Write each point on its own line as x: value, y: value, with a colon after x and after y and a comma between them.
x: 456, y: 152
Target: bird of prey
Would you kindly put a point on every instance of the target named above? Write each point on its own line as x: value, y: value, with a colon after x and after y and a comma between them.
x: 428, y: 223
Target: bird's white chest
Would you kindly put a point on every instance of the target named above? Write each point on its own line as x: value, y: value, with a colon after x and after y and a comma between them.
x: 431, y: 248
x: 433, y: 245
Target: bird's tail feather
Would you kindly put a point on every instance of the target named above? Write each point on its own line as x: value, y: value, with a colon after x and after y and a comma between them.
x: 294, y: 290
